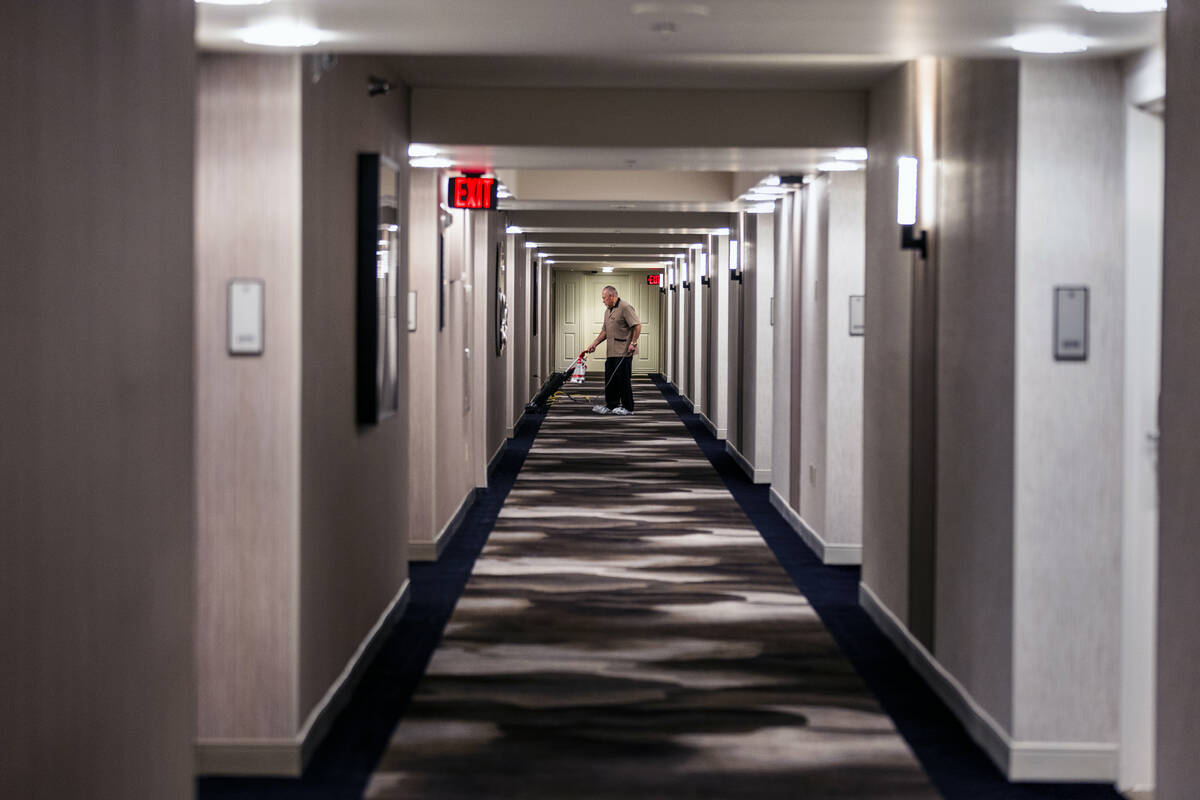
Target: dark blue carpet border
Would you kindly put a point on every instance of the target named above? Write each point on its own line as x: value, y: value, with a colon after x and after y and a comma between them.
x: 342, y: 765
x: 957, y: 766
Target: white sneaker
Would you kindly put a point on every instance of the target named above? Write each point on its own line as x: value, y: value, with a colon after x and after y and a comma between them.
x: 621, y: 411
x: 600, y: 409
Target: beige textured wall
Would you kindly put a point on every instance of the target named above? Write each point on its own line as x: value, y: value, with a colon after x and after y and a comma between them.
x: 813, y: 339
x: 746, y: 312
x: 782, y: 348
x: 794, y: 346
x: 518, y: 326
x: 421, y: 375
x: 454, y: 477
x: 353, y: 558
x: 844, y: 396
x: 1179, y: 458
x: 96, y: 407
x: 248, y: 408
x: 976, y: 246
x: 760, y: 277
x: 732, y: 393
x: 886, y: 351
x: 1070, y: 231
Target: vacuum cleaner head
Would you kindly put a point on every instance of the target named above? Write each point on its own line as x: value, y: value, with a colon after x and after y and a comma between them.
x: 540, y: 403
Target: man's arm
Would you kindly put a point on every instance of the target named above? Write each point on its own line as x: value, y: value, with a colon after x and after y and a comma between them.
x: 633, y: 337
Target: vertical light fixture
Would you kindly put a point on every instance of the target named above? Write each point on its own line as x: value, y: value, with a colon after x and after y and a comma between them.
x: 671, y: 277
x: 702, y: 267
x: 906, y: 207
x: 735, y: 268
x: 683, y: 265
x: 662, y: 282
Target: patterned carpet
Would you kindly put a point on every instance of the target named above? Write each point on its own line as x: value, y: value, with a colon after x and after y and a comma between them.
x: 627, y: 634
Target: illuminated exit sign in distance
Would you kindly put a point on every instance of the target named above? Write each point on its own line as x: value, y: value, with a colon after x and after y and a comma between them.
x: 654, y: 280
x: 472, y: 192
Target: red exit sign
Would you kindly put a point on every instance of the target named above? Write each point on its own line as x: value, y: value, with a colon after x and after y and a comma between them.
x: 654, y: 280
x: 471, y: 192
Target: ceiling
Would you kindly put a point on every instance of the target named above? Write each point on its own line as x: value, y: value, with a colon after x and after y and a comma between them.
x: 714, y: 44
x: 623, y: 44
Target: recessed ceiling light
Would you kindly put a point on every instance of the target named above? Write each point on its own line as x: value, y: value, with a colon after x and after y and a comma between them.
x: 1125, y: 6
x: 282, y: 33
x: 1049, y: 42
x: 514, y: 229
x: 608, y: 269
x: 755, y: 197
x: 695, y: 9
x: 421, y: 150
x: 771, y: 180
x: 761, y: 208
x: 851, y: 154
x: 531, y: 245
x: 839, y: 166
x: 431, y: 162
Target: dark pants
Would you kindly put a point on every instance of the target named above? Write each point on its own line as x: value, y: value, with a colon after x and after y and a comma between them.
x: 619, y: 386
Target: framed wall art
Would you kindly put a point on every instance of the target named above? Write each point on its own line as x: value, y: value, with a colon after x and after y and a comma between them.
x: 377, y: 387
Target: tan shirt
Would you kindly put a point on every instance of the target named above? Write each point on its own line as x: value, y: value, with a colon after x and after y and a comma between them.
x: 619, y: 322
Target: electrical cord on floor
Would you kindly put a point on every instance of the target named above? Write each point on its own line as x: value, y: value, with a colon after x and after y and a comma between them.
x: 583, y: 398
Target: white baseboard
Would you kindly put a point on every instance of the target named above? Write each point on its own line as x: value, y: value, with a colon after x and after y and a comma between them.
x: 287, y: 757
x: 1018, y: 760
x: 829, y: 552
x: 720, y: 434
x: 432, y: 551
x: 755, y: 474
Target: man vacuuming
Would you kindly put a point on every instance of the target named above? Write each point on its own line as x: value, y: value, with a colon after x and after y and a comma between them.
x: 621, y: 328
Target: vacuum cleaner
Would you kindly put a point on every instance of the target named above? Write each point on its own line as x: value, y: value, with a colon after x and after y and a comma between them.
x: 575, y: 373
x: 541, y: 403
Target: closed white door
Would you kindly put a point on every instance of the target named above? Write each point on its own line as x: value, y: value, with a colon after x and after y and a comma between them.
x: 579, y: 317
x: 570, y: 329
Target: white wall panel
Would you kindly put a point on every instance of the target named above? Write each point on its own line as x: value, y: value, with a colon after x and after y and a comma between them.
x: 1070, y: 227
x: 844, y: 401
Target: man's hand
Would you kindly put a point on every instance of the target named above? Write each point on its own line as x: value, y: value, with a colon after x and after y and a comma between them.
x: 591, y: 349
x: 632, y: 348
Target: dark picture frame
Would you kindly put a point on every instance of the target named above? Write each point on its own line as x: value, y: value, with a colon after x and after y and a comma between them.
x: 379, y: 244
x: 501, y: 299
x: 441, y: 281
x: 533, y: 305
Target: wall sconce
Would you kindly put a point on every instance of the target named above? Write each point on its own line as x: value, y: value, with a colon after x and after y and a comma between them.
x: 906, y: 208
x: 683, y: 265
x: 671, y: 279
x: 662, y: 283
x: 735, y: 271
x: 702, y: 268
